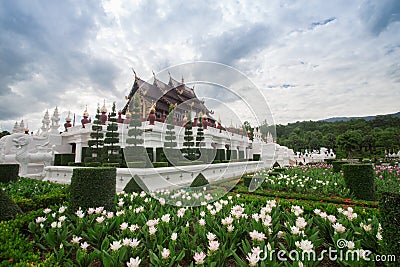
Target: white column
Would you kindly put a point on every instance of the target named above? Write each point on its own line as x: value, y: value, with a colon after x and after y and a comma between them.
x: 78, y: 152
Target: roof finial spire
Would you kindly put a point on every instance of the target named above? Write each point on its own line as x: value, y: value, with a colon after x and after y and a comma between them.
x: 183, y: 81
x: 134, y: 72
x: 155, y: 80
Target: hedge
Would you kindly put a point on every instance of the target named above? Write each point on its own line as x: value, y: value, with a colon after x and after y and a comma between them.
x: 200, y: 181
x: 160, y: 156
x: 42, y: 201
x: 329, y: 161
x: 149, y: 151
x: 93, y: 187
x: 9, y: 209
x: 57, y: 160
x: 135, y: 184
x: 256, y: 157
x: 74, y: 164
x: 337, y: 165
x: 389, y: 204
x: 66, y: 158
x: 359, y: 178
x: 220, y: 154
x: 111, y: 164
x: 136, y: 164
x: 160, y: 164
x: 9, y: 173
x: 136, y: 154
x: 93, y: 164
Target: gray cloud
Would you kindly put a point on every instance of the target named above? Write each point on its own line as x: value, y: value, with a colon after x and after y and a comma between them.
x: 309, y: 54
x: 236, y: 44
x: 379, y: 14
x: 321, y: 23
x: 47, y: 39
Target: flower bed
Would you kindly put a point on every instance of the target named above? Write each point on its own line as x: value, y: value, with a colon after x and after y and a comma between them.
x: 234, y: 231
x: 320, y: 180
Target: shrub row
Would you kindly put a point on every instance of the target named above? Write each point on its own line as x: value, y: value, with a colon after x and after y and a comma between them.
x: 40, y: 202
x: 63, y: 159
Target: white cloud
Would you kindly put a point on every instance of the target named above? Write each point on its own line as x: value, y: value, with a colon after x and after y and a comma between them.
x: 312, y: 60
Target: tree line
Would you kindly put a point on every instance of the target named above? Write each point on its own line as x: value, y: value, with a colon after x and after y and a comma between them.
x: 352, y: 138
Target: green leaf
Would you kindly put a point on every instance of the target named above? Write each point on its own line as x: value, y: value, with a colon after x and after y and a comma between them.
x: 105, y: 245
x: 239, y: 261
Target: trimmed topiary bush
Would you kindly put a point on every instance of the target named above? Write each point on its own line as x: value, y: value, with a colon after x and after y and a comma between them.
x: 276, y: 165
x: 247, y: 180
x: 8, y: 173
x: 337, y: 165
x: 136, y: 185
x: 200, y: 181
x: 9, y: 209
x: 359, y: 178
x: 93, y: 187
x: 389, y: 204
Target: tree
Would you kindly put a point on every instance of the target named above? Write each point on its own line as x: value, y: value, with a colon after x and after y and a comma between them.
x: 134, y: 152
x: 330, y: 140
x: 350, y: 141
x: 170, y: 133
x: 188, y: 140
x: 94, y: 151
x: 111, y: 141
x: 134, y: 132
x: 200, y: 134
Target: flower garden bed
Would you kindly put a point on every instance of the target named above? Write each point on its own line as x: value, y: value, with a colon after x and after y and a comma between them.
x: 235, y: 230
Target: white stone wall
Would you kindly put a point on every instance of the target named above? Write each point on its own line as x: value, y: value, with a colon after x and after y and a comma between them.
x: 166, y: 178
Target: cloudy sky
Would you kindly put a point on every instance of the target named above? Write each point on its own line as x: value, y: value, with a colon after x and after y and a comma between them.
x: 310, y: 59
